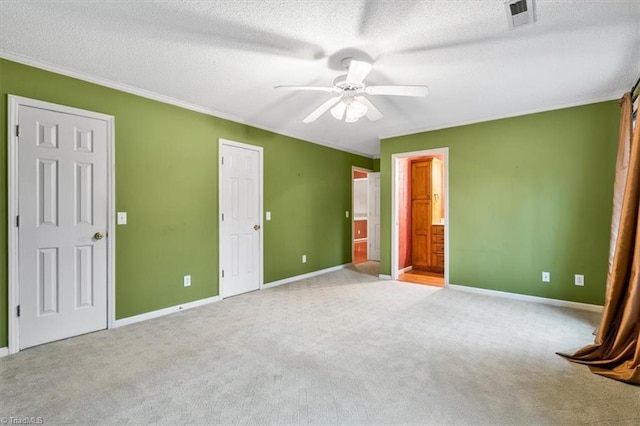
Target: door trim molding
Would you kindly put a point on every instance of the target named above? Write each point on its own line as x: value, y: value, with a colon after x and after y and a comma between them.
x: 260, y: 150
x: 353, y: 203
x: 394, y: 208
x: 369, y: 223
x: 12, y: 183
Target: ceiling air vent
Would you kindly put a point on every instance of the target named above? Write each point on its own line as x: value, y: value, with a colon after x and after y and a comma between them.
x: 520, y: 12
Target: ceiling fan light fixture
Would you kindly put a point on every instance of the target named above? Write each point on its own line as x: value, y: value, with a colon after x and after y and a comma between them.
x: 338, y: 110
x: 357, y: 108
x: 349, y: 104
x: 350, y: 118
x: 354, y: 109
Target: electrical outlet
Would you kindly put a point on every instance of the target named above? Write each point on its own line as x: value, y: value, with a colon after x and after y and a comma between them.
x: 546, y: 277
x: 304, y: 258
x: 346, y: 214
x: 187, y: 280
x: 122, y: 218
x: 579, y: 279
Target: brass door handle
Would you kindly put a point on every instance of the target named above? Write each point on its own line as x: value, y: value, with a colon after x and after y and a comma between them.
x: 98, y: 235
x: 256, y: 227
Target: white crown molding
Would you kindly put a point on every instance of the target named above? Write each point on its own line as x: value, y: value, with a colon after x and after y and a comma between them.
x: 582, y: 102
x: 37, y: 63
x: 527, y: 298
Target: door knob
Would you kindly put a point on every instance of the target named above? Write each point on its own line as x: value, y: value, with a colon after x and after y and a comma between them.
x: 256, y: 227
x: 98, y: 235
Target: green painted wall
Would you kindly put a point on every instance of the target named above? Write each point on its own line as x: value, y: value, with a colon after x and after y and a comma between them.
x: 167, y: 181
x: 527, y: 194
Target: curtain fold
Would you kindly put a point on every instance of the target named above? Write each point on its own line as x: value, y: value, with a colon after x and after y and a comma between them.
x: 622, y: 166
x: 615, y: 352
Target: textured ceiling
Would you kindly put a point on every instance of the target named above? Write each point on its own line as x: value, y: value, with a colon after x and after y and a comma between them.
x: 225, y: 57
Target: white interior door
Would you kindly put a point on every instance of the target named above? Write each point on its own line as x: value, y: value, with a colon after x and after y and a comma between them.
x: 63, y: 219
x: 240, y: 226
x: 374, y: 216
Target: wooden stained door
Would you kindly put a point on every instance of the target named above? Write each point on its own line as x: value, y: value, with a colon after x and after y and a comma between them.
x: 421, y: 214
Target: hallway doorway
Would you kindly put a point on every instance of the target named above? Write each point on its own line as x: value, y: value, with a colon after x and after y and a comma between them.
x: 365, y: 215
x: 419, y: 249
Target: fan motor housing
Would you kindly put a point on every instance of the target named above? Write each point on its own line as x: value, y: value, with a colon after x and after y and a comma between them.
x: 341, y: 83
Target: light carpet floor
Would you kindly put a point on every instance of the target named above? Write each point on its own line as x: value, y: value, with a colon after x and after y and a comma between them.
x: 342, y: 348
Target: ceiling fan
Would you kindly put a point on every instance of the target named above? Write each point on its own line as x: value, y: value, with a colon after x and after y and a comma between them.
x: 349, y: 102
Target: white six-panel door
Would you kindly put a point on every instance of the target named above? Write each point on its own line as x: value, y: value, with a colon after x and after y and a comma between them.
x: 62, y: 231
x: 240, y: 209
x: 374, y: 216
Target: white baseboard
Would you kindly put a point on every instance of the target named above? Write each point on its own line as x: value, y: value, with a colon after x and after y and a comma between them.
x: 527, y: 298
x: 384, y: 277
x: 407, y: 269
x: 305, y: 276
x: 165, y: 311
x: 4, y: 352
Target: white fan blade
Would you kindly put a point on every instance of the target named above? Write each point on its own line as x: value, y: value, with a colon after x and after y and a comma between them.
x: 373, y: 113
x: 358, y: 70
x: 313, y: 88
x: 321, y: 109
x: 398, y: 90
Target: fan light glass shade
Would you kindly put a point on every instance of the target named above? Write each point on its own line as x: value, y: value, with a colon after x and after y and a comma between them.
x: 338, y: 110
x: 353, y: 108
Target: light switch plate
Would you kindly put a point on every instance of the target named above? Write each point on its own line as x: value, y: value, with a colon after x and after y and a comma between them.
x: 346, y: 213
x: 187, y: 280
x: 122, y: 218
x: 268, y: 216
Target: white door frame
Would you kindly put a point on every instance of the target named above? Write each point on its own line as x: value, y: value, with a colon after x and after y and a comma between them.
x: 395, y: 225
x: 353, y: 204
x: 260, y: 150
x: 369, y: 224
x: 12, y: 157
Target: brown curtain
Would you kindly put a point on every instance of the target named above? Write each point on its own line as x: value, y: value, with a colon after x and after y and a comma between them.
x: 616, y: 350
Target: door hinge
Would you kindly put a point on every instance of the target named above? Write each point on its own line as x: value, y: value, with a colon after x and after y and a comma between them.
x: 18, y: 221
x: 17, y: 130
x: 222, y: 161
x: 18, y: 310
x: 223, y: 217
x: 223, y: 273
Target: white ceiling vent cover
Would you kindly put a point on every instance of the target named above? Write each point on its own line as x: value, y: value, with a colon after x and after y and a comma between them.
x: 520, y: 12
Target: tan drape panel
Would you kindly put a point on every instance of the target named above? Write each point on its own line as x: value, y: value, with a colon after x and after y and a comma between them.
x: 622, y: 165
x: 616, y: 350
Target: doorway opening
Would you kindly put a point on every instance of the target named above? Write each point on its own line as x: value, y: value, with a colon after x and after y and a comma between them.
x: 420, y: 211
x: 366, y: 220
x: 360, y: 214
